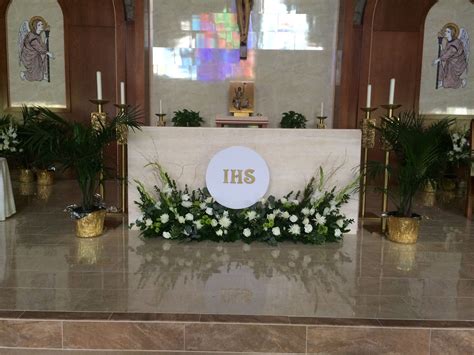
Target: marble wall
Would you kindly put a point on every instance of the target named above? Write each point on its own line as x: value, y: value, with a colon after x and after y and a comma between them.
x: 21, y: 91
x: 291, y: 59
x: 446, y: 101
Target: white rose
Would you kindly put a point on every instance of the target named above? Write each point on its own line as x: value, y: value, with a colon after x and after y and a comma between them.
x: 276, y: 231
x: 311, y: 211
x: 157, y: 204
x: 198, y: 225
x: 305, y: 211
x: 148, y: 222
x: 185, y: 197
x: 293, y: 218
x: 283, y: 200
x: 247, y: 233
x: 308, y: 228
x: 326, y: 211
x: 305, y: 221
x: 271, y: 216
x: 189, y: 217
x: 340, y: 223
x: 202, y: 206
x: 209, y: 200
x: 164, y: 218
x: 219, y: 232
x: 166, y: 235
x: 186, y: 204
x: 209, y: 211
x: 214, y: 223
x: 181, y: 219
x: 295, y: 202
x: 337, y: 233
x: 285, y: 215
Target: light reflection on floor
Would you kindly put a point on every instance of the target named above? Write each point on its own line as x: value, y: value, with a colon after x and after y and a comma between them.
x: 44, y: 267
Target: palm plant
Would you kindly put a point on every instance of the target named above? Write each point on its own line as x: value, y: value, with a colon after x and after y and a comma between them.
x: 421, y: 151
x: 292, y: 119
x: 187, y: 118
x: 81, y: 147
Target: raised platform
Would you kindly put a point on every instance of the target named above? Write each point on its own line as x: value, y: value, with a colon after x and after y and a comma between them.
x: 364, y: 295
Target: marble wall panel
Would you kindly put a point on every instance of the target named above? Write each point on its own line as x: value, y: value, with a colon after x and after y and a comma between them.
x: 293, y: 157
x: 292, y: 51
x: 446, y: 101
x: 30, y: 334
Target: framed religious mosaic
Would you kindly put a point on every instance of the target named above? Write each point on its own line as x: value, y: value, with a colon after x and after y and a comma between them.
x: 35, y: 54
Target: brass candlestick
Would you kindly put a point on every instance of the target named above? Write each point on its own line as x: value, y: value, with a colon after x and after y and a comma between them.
x: 161, y: 119
x: 321, y: 124
x: 386, y: 147
x: 368, y: 142
x: 122, y: 136
x: 99, y: 120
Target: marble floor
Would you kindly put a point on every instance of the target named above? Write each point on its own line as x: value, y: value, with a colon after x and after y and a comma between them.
x: 43, y: 267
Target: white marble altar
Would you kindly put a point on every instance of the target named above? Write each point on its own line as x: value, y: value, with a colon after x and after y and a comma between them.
x: 293, y: 157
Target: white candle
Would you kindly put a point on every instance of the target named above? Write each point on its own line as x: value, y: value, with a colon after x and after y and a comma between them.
x: 391, y: 96
x: 322, y: 109
x: 161, y: 108
x: 122, y: 93
x: 369, y: 95
x: 99, y: 85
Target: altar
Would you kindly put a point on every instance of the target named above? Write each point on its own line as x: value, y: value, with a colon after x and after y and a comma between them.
x: 293, y: 157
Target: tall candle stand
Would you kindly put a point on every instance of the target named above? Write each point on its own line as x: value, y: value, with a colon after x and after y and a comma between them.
x: 161, y: 119
x: 122, y: 136
x: 368, y: 142
x: 99, y: 120
x: 321, y: 124
x: 386, y: 147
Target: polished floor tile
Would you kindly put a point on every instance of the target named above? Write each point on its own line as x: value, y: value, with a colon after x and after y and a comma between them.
x: 43, y: 267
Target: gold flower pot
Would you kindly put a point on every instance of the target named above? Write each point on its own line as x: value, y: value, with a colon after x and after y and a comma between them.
x: 45, y: 177
x: 403, y: 230
x: 91, y: 225
x: 26, y: 176
x: 26, y: 188
x: 44, y: 192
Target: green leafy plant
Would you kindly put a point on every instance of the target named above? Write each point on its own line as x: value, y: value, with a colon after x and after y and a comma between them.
x: 293, y: 119
x: 312, y: 216
x: 81, y: 147
x: 187, y: 118
x: 421, y: 151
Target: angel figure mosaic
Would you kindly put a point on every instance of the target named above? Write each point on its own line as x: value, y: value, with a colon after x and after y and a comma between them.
x: 453, y: 57
x: 33, y: 50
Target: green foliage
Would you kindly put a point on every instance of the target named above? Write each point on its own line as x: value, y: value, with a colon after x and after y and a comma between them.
x: 312, y: 216
x: 80, y: 146
x: 293, y: 119
x: 421, y: 151
x: 187, y: 118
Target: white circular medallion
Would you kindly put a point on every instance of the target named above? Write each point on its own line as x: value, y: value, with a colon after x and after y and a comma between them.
x: 237, y: 177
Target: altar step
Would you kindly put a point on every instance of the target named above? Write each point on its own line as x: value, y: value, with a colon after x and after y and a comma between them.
x: 22, y: 332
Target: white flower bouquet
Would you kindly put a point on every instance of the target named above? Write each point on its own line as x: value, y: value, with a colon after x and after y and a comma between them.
x: 312, y: 216
x: 9, y: 141
x: 460, y: 152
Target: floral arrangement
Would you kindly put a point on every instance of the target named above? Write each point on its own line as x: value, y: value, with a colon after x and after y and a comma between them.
x: 460, y: 152
x: 8, y: 136
x: 313, y: 216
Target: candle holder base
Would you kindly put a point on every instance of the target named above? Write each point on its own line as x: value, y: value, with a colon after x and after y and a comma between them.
x: 321, y: 124
x: 161, y: 119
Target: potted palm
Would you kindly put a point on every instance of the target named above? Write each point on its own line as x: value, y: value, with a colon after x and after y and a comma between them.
x: 422, y: 153
x: 81, y: 149
x: 187, y: 118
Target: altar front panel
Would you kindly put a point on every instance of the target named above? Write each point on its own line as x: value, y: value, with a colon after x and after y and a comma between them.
x: 293, y: 157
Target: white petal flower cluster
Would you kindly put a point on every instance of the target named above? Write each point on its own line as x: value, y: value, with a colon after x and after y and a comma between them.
x: 8, y: 140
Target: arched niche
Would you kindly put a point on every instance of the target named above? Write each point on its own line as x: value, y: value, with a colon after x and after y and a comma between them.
x: 34, y: 77
x: 437, y: 98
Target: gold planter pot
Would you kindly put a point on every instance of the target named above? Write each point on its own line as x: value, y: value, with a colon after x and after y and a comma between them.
x: 91, y: 225
x: 403, y: 229
x: 26, y: 176
x: 45, y: 177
